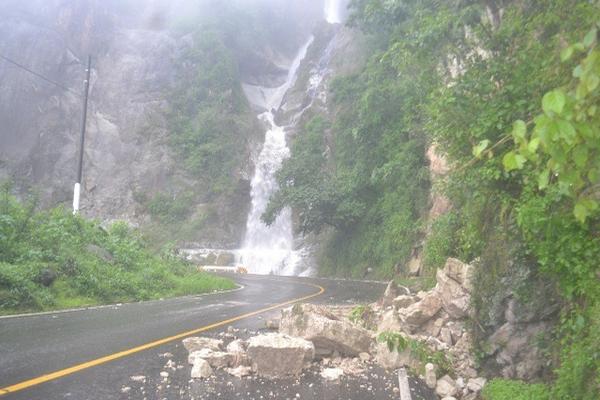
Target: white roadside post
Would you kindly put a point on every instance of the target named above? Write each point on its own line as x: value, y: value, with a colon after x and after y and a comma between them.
x: 403, y: 385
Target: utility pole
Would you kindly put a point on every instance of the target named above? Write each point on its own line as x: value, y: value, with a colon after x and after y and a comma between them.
x: 77, y: 188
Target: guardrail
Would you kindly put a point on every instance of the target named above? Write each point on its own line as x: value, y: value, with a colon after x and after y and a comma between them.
x: 216, y: 268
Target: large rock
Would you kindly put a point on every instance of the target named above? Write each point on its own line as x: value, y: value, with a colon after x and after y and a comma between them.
x: 422, y: 311
x: 455, y: 298
x: 404, y: 301
x: 391, y: 292
x: 201, y: 369
x: 389, y: 322
x: 195, y: 343
x: 276, y: 355
x: 446, y: 387
x: 237, y: 349
x: 216, y: 359
x: 392, y: 359
x: 460, y: 272
x: 327, y: 334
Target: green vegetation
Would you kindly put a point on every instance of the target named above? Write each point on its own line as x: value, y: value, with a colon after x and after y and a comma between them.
x: 500, y: 389
x: 364, y: 316
x: 419, y: 351
x: 509, y: 93
x: 52, y: 259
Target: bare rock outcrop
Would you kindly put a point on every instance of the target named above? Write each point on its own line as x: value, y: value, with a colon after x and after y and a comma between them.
x: 275, y: 354
x: 328, y: 333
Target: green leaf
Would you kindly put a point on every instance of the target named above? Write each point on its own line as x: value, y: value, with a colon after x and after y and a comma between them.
x: 519, y: 129
x: 590, y: 38
x: 533, y: 144
x: 584, y: 208
x: 512, y: 161
x: 592, y: 82
x: 477, y: 150
x: 544, y: 179
x: 566, y: 130
x: 580, y: 212
x: 566, y: 53
x: 580, y: 156
x: 553, y: 101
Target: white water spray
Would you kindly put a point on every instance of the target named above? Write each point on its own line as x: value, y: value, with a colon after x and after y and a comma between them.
x: 270, y: 249
x: 333, y: 11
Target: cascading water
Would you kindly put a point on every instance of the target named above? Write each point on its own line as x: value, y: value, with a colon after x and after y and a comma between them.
x: 270, y: 249
x: 333, y: 11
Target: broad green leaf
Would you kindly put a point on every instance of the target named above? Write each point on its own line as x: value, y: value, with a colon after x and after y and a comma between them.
x: 593, y: 175
x: 519, y: 129
x: 584, y: 208
x: 512, y: 161
x: 566, y: 53
x: 590, y: 38
x: 533, y: 144
x: 553, y: 102
x: 480, y: 148
x: 581, y: 212
x: 544, y: 179
x: 577, y: 72
x: 592, y: 82
x: 566, y: 130
x: 580, y: 156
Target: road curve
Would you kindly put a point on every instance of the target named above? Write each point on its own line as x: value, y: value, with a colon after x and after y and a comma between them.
x: 92, y: 352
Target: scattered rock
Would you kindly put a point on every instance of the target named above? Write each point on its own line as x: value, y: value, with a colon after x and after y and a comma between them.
x: 237, y: 349
x: 192, y: 344
x: 275, y: 355
x: 272, y: 324
x: 239, y: 371
x: 138, y: 378
x: 455, y: 298
x: 403, y: 301
x: 364, y: 357
x: 216, y: 359
x: 332, y: 374
x: 446, y: 387
x: 201, y: 369
x: 446, y: 336
x: 164, y: 374
x: 389, y: 322
x: 325, y: 332
x: 125, y: 389
x: 391, y: 292
x: 351, y: 366
x: 393, y: 359
x: 476, y: 384
x: 422, y: 311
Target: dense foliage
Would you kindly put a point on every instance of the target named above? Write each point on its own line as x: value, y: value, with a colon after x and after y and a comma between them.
x: 52, y: 259
x: 508, y: 91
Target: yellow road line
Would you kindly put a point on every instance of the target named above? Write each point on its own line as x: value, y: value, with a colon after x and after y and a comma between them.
x: 79, y: 367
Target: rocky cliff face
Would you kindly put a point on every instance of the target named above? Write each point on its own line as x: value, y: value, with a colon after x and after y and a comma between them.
x: 139, y: 60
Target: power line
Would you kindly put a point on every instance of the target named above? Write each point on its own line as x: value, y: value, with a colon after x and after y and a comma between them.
x: 38, y: 75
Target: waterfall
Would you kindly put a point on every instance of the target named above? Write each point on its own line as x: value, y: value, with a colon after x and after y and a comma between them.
x: 270, y: 249
x: 333, y: 11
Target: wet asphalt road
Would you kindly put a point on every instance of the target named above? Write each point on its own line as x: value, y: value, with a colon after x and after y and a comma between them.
x: 36, y: 345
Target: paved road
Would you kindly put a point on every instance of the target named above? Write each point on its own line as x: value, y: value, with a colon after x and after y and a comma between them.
x: 33, y: 346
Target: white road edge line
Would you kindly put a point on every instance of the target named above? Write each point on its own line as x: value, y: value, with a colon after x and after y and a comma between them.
x: 99, y: 307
